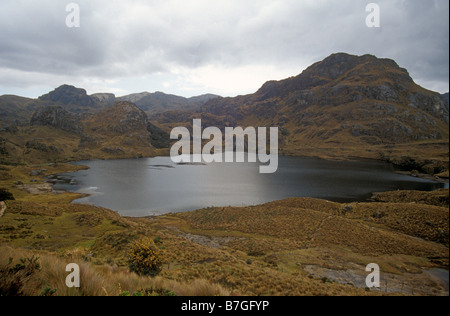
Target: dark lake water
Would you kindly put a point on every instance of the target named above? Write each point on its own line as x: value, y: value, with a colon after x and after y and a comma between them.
x: 156, y: 186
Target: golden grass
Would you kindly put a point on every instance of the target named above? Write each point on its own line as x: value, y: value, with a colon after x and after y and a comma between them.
x: 101, y: 280
x: 269, y: 249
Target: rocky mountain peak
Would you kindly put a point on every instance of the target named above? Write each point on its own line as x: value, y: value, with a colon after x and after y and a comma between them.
x: 68, y: 95
x: 344, y: 99
x: 106, y: 99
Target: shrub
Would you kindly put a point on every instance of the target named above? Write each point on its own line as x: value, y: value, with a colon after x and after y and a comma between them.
x: 13, y: 277
x: 5, y: 195
x: 144, y: 257
x: 48, y: 291
x: 149, y: 292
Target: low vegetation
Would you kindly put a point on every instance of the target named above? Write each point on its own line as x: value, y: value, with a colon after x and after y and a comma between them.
x: 5, y: 195
x: 144, y: 257
x: 298, y: 246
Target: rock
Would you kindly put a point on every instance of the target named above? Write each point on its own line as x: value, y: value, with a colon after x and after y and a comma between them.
x: 69, y: 95
x: 347, y: 209
x: 10, y: 127
x: 113, y: 151
x: 415, y: 173
x: 35, y: 173
x: 272, y: 259
x: 58, y: 117
x: 37, y: 189
x: 106, y: 99
x: 379, y: 215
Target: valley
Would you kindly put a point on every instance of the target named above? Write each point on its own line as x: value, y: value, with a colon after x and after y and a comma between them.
x: 340, y: 108
x: 344, y: 107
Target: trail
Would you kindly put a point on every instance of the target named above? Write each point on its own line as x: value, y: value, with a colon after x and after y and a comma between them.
x: 2, y: 208
x: 315, y: 231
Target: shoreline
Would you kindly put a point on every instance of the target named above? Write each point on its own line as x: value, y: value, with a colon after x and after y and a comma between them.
x: 265, y: 245
x: 155, y: 213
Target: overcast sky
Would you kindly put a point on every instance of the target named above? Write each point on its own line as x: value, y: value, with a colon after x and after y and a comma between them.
x: 192, y: 47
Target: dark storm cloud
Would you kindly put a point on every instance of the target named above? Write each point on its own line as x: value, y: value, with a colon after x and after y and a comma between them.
x: 131, y: 40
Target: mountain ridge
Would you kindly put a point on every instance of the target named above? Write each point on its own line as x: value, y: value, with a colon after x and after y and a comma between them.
x: 342, y: 107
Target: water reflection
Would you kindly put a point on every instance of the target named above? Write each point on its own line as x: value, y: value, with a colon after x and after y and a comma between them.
x: 157, y: 185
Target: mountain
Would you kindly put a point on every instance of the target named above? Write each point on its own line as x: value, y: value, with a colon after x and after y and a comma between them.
x: 118, y: 130
x: 77, y: 100
x: 367, y: 87
x: 18, y: 111
x: 342, y: 107
x: 69, y: 124
x: 15, y: 111
x: 201, y: 99
x: 158, y: 102
x: 56, y: 134
x: 70, y: 96
x: 105, y: 99
x: 134, y: 98
x: 445, y: 96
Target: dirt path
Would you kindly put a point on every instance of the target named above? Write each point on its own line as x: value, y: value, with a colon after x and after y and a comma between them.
x: 432, y: 282
x: 212, y: 242
x: 315, y: 231
x: 2, y: 208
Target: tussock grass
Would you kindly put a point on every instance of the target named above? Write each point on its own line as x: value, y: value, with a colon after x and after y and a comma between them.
x: 100, y: 280
x: 280, y: 248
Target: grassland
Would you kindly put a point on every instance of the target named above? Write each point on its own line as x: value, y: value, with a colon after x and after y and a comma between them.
x: 299, y: 246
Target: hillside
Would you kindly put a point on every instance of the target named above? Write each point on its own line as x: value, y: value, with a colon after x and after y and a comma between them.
x: 299, y: 246
x: 158, y: 102
x: 342, y: 107
x: 68, y: 124
x: 14, y: 111
x: 55, y: 134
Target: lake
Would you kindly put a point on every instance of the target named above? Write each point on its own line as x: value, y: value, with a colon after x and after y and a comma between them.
x: 155, y: 186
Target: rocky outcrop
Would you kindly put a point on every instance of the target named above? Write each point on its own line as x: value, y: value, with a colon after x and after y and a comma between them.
x: 435, y: 104
x: 105, y: 99
x: 3, y: 149
x: 69, y: 95
x: 39, y: 145
x: 9, y: 127
x: 58, y: 117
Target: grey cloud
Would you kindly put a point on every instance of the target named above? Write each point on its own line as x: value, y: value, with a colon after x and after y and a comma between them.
x: 134, y: 38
